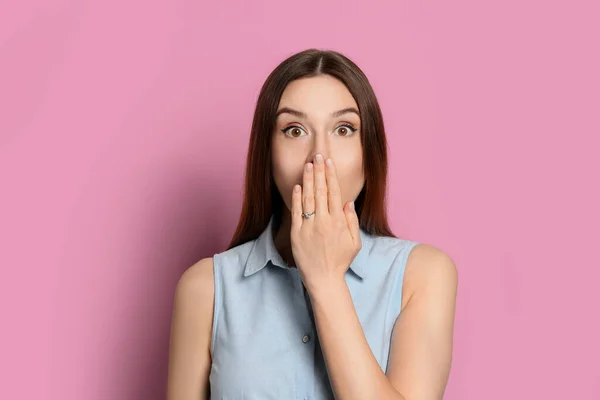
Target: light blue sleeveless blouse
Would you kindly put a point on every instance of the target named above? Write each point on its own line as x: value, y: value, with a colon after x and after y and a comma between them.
x: 264, y: 341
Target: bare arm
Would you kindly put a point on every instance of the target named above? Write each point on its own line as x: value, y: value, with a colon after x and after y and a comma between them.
x: 421, y: 348
x: 191, y: 331
x: 421, y: 351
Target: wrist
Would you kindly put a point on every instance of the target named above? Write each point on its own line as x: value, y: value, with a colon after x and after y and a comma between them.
x: 325, y: 286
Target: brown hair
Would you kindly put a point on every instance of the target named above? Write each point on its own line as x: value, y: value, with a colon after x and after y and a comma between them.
x: 261, y: 196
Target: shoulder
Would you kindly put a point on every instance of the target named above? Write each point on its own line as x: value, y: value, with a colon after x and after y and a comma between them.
x: 389, y: 247
x: 191, y: 331
x: 429, y: 270
x: 235, y: 256
x: 197, y: 282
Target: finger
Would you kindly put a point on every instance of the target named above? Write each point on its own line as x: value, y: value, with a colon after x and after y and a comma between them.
x: 320, y: 187
x: 296, y: 208
x: 308, y: 192
x: 334, y: 199
x: 353, y: 222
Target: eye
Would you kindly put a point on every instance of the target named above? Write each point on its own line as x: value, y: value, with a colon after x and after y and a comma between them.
x: 346, y: 130
x: 293, y: 131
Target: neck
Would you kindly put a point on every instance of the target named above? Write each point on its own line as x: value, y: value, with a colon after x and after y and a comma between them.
x: 281, y: 238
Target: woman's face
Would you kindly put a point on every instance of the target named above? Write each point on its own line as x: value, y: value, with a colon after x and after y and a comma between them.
x: 307, y: 124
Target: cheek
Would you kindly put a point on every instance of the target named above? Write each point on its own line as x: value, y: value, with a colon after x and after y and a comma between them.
x: 351, y: 178
x: 285, y: 174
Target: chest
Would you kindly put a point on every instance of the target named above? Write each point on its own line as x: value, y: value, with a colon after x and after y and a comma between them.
x: 265, y: 343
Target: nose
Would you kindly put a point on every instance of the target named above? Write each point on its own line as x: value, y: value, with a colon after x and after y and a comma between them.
x: 320, y: 147
x: 313, y: 157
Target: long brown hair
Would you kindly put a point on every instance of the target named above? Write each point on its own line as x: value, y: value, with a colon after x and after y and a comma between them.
x: 261, y: 197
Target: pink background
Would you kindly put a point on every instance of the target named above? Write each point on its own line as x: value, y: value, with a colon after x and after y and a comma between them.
x: 123, y: 132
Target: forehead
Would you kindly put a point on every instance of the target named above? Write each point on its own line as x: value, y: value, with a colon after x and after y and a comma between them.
x: 318, y: 94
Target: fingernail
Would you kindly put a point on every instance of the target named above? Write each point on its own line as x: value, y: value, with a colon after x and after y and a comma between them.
x: 319, y: 159
x: 328, y: 162
x: 352, y: 206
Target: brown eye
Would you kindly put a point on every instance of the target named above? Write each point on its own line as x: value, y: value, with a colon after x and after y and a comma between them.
x: 346, y: 130
x: 293, y: 131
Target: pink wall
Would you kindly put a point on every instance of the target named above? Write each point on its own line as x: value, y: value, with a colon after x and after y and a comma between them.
x: 123, y: 131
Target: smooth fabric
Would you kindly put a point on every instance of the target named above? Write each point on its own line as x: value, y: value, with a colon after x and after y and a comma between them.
x: 264, y: 342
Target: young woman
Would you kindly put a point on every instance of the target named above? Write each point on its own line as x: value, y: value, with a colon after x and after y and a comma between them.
x: 315, y: 298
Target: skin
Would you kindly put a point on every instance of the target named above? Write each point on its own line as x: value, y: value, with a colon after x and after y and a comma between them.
x: 316, y: 133
x: 322, y: 248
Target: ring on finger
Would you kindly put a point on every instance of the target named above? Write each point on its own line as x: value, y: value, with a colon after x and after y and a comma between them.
x: 307, y: 215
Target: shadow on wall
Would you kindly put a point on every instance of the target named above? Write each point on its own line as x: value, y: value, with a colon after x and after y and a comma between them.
x: 194, y: 220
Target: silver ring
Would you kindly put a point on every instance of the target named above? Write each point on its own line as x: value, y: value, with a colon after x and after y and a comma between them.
x: 307, y: 214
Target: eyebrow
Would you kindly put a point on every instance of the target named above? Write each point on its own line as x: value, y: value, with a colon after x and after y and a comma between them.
x: 301, y: 114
